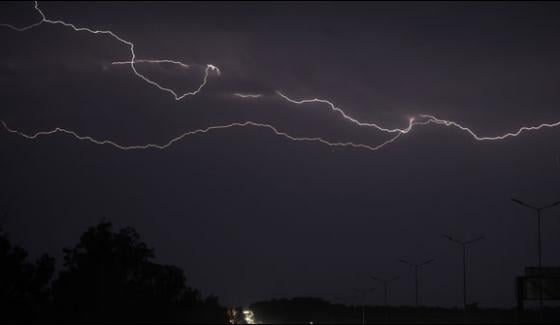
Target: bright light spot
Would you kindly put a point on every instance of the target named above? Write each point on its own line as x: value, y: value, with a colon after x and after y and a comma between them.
x: 249, y: 317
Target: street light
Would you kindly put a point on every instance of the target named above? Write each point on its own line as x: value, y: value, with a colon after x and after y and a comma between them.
x: 416, y: 268
x: 464, y: 245
x: 385, y: 283
x: 538, y: 210
x: 363, y: 295
x: 539, y: 240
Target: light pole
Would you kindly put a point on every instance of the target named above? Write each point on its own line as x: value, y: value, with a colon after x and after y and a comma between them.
x: 464, y: 245
x: 539, y: 241
x: 363, y: 296
x: 416, y: 268
x: 385, y: 283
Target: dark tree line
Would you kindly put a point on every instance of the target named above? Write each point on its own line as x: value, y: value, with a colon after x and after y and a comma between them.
x: 108, y: 277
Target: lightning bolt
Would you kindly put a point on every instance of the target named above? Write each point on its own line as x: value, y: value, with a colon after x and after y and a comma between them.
x: 426, y: 117
x: 342, y: 113
x: 184, y: 135
x: 132, y: 62
x: 179, y: 63
x: 477, y: 137
x: 422, y: 119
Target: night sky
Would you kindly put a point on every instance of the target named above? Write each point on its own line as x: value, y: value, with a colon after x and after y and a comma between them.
x: 250, y: 215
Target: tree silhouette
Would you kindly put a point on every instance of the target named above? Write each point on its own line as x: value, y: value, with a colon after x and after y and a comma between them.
x: 24, y: 291
x: 110, y: 277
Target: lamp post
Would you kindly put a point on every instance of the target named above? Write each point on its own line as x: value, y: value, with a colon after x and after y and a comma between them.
x: 464, y: 245
x: 363, y: 296
x: 416, y: 268
x: 538, y: 210
x: 385, y: 283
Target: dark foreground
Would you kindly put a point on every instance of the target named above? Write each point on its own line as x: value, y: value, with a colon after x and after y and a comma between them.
x: 319, y: 311
x: 110, y: 276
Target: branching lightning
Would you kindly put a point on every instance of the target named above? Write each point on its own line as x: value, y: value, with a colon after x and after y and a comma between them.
x: 395, y: 133
x: 132, y: 62
x: 428, y: 118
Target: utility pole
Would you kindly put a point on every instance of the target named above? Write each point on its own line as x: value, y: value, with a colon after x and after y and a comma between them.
x: 416, y: 269
x: 538, y: 210
x: 464, y: 245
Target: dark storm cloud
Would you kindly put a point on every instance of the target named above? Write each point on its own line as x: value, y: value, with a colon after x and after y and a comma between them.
x: 249, y: 215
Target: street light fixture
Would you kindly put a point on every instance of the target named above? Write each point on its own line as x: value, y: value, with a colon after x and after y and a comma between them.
x: 464, y: 245
x: 385, y: 283
x: 416, y: 268
x: 538, y: 210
